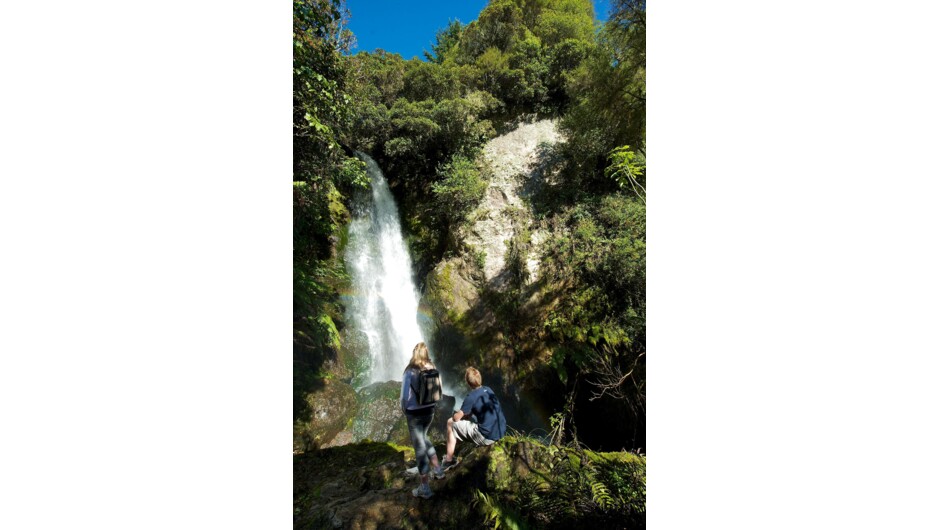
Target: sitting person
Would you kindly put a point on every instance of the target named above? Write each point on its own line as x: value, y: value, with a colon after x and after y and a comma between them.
x: 483, y: 405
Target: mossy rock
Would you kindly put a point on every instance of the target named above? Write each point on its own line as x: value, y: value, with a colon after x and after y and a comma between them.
x: 331, y: 408
x: 451, y: 289
x: 364, y: 485
x: 354, y: 355
x: 443, y: 410
x: 380, y: 418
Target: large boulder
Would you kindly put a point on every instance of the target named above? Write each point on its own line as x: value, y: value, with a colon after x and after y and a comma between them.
x: 354, y: 356
x: 443, y: 410
x: 380, y: 418
x: 330, y: 408
x: 458, y: 318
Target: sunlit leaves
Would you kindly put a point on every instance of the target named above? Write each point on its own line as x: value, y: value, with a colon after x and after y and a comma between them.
x: 627, y: 168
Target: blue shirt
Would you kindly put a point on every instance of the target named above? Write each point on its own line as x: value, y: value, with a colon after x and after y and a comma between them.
x: 484, y: 405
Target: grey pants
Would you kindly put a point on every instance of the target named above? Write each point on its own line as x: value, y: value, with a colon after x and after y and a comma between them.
x: 424, y: 449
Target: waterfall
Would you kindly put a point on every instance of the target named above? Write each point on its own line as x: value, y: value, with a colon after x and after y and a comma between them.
x: 386, y: 308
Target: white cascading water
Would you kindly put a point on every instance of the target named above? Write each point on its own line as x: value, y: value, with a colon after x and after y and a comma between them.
x: 386, y: 308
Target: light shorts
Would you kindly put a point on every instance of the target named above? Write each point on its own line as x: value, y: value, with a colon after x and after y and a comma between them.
x: 467, y: 431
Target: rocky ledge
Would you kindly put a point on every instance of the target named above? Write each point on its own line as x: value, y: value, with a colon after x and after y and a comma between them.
x: 518, y: 482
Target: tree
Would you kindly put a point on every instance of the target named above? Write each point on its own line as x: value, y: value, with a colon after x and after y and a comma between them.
x: 321, y: 172
x: 609, y: 97
x: 445, y: 42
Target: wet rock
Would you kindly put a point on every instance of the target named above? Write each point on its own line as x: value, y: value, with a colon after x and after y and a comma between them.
x: 331, y: 407
x: 380, y: 418
x: 354, y: 355
x: 442, y: 411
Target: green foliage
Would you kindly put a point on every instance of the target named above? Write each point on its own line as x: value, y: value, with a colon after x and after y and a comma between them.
x: 459, y: 190
x: 601, y: 255
x: 588, y: 489
x: 497, y: 515
x: 499, y: 25
x: 517, y: 253
x: 479, y: 258
x: 445, y: 43
x: 609, y: 91
x: 562, y: 60
x: 323, y: 177
x: 565, y: 19
x: 320, y: 103
x: 598, y: 252
x: 579, y: 489
x: 432, y: 81
x: 510, y: 51
x: 627, y: 168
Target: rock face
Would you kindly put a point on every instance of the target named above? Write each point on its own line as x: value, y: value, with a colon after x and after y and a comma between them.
x: 487, y: 304
x: 513, y: 159
x: 380, y: 418
x: 442, y: 411
x: 331, y: 407
x: 451, y: 292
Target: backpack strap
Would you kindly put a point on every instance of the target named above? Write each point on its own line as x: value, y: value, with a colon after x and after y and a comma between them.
x: 414, y: 374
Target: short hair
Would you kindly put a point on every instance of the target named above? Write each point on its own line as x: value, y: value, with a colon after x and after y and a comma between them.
x: 473, y: 377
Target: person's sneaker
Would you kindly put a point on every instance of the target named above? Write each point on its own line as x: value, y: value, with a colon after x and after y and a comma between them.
x: 437, y: 472
x: 445, y: 465
x: 423, y: 491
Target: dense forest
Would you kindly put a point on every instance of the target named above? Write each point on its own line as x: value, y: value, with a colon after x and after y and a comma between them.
x: 572, y: 338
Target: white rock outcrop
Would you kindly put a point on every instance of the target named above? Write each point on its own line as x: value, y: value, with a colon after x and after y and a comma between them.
x: 513, y: 159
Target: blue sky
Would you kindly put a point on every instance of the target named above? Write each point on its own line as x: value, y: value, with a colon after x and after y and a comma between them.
x: 408, y: 27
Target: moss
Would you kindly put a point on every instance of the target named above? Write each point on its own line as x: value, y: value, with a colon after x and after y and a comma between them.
x: 521, y: 479
x: 499, y: 470
x: 442, y: 287
x: 338, y: 211
x: 378, y: 391
x: 331, y: 406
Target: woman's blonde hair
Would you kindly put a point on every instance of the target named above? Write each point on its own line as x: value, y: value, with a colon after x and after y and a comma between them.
x: 420, y: 357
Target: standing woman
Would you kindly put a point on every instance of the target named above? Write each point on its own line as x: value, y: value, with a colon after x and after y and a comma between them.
x: 419, y: 419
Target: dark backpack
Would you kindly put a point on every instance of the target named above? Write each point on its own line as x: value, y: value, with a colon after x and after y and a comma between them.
x: 428, y: 391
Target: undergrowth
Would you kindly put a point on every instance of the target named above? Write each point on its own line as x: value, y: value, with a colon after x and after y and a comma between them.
x: 579, y: 489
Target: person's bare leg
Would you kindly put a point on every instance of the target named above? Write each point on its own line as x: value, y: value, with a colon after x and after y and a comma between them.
x: 451, y: 440
x: 435, y: 463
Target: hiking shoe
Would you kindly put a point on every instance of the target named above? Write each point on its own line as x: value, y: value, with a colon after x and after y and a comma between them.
x: 445, y: 465
x: 423, y: 491
x: 438, y: 472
